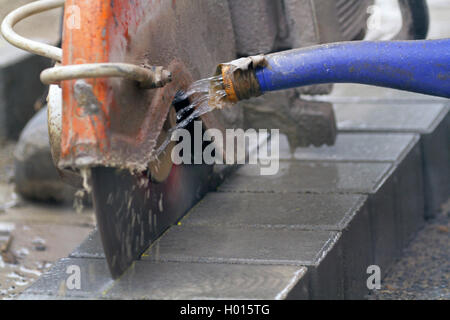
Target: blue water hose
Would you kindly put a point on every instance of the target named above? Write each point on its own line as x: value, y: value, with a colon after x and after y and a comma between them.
x: 421, y: 66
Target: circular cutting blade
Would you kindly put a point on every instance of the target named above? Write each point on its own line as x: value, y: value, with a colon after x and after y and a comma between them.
x: 132, y: 211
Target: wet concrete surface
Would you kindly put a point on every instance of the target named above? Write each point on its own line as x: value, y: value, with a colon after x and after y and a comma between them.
x: 394, y: 117
x: 361, y: 147
x: 155, y: 280
x: 274, y: 210
x: 311, y: 177
x: 241, y: 245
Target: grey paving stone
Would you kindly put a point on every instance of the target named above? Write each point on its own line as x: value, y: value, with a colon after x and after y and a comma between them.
x: 94, y: 280
x: 436, y: 162
x: 396, y: 213
x: 326, y: 279
x: 301, y: 291
x: 384, y: 228
x: 378, y: 180
x: 409, y: 195
x: 431, y: 120
x: 91, y: 247
x: 397, y: 210
x: 314, y: 177
x: 357, y: 93
x: 391, y: 117
x: 154, y: 280
x: 295, y: 211
x: 231, y: 245
x: 361, y: 147
x: 358, y: 253
x: 241, y: 245
x: 345, y: 213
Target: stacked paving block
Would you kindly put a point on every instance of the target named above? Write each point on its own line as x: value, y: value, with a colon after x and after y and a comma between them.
x: 396, y: 207
x: 429, y: 119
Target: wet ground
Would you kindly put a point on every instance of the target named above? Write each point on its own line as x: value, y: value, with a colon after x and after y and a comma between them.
x: 32, y: 235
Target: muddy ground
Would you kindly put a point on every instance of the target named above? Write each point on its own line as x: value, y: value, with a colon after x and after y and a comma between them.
x: 32, y: 235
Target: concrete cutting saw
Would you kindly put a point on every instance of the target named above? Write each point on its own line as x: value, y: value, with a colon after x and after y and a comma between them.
x: 119, y: 76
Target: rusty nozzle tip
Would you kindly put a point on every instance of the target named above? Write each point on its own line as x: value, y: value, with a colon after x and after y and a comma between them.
x: 228, y: 82
x: 239, y: 79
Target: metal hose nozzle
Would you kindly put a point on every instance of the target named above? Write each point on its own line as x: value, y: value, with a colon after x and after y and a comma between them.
x: 239, y: 78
